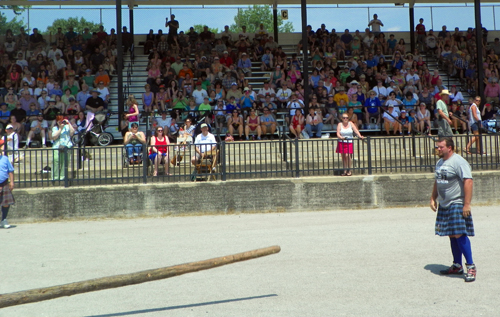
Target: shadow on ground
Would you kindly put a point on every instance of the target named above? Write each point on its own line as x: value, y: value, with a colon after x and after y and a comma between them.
x: 436, y: 268
x: 143, y: 311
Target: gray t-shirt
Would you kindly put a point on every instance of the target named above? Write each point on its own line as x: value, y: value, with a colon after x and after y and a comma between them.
x: 450, y: 176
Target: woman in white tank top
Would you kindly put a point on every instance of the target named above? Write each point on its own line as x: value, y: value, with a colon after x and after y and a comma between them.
x: 345, y: 133
x: 475, y: 125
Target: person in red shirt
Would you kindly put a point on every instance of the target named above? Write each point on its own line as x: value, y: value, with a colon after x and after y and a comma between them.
x: 226, y: 60
x: 420, y: 28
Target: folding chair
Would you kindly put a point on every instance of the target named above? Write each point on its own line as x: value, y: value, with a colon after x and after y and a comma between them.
x: 207, y: 167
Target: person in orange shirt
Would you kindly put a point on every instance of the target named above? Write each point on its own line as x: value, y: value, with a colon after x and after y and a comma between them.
x: 102, y: 76
x: 184, y: 71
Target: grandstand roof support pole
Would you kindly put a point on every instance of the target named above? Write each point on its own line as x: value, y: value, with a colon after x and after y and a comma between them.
x: 275, y: 20
x: 131, y: 21
x: 479, y: 48
x: 412, y: 28
x: 119, y: 64
x: 305, y: 48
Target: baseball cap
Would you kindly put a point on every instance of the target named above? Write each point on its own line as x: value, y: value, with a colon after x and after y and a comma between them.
x: 9, y: 126
x: 403, y: 111
x: 204, y: 125
x: 234, y: 84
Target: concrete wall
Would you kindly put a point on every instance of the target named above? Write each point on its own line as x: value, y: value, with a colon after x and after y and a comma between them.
x: 276, y: 195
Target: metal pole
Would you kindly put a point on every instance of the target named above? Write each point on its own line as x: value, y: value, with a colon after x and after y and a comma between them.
x: 305, y: 48
x: 369, y: 150
x: 297, y: 166
x: 479, y: 47
x: 275, y: 21
x: 119, y: 64
x: 412, y: 28
x: 131, y: 21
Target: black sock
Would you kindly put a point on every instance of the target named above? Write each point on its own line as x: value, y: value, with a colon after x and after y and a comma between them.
x: 5, y: 211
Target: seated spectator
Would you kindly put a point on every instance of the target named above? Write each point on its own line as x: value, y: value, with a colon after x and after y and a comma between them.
x: 297, y: 124
x: 88, y: 78
x: 372, y: 107
x: 267, y: 123
x: 283, y: 95
x: 220, y: 114
x: 37, y: 127
x: 148, y: 99
x: 390, y: 117
x: 314, y: 122
x: 67, y: 95
x: 102, y: 76
x: 159, y: 150
x: 234, y: 92
x: 244, y: 65
x: 410, y: 102
x: 199, y: 94
x: 492, y: 92
x: 134, y: 141
x: 253, y: 124
x: 204, y: 143
x: 73, y: 108
x: 405, y: 123
x: 4, y: 114
x: 180, y: 101
x: 294, y: 104
x: 82, y: 96
x: 94, y: 104
x: 56, y: 91
x: 235, y: 123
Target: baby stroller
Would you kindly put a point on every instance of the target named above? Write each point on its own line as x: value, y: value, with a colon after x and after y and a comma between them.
x: 95, y: 131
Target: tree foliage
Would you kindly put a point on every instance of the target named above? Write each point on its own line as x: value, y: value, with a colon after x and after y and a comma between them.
x: 14, y: 25
x: 78, y: 25
x: 199, y: 28
x: 253, y: 16
x: 17, y: 9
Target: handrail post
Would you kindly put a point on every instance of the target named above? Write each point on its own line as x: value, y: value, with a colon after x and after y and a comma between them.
x: 223, y: 160
x: 369, y: 150
x: 145, y: 161
x: 65, y: 159
x: 297, y: 167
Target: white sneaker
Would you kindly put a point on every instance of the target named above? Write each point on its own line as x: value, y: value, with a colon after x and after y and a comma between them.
x: 4, y: 224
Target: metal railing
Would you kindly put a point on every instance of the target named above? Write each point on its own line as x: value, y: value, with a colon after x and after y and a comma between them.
x: 283, y: 158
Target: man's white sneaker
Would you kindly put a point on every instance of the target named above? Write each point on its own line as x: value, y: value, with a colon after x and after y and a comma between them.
x: 4, y: 224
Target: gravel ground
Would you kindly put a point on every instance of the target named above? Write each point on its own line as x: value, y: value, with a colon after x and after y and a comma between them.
x: 379, y: 262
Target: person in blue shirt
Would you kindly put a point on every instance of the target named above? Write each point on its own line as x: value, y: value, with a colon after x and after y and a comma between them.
x: 372, y: 105
x: 6, y: 186
x: 4, y: 113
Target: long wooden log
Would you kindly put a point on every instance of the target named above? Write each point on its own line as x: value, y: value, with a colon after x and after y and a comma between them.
x: 42, y: 294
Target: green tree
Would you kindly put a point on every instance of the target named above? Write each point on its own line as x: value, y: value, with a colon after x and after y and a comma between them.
x: 78, y: 25
x: 13, y: 24
x: 254, y: 16
x: 199, y: 28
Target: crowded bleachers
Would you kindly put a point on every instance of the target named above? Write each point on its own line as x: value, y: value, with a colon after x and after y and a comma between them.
x: 243, y: 85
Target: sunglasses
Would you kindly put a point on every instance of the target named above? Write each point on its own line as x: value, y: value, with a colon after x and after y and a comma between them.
x: 345, y: 117
x: 160, y: 130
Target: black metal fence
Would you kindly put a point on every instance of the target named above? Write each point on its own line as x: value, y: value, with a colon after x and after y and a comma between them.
x: 287, y: 158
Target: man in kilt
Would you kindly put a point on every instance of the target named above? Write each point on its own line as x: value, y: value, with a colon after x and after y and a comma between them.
x: 6, y: 185
x: 453, y: 192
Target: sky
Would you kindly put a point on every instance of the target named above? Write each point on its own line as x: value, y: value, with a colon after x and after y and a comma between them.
x: 341, y: 17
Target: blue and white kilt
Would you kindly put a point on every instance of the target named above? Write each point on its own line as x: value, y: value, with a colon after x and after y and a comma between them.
x: 450, y: 221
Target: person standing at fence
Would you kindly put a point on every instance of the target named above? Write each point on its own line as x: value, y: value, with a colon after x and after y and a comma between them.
x: 444, y: 121
x: 475, y: 125
x: 451, y: 197
x: 62, y: 131
x: 6, y: 185
x: 345, y: 132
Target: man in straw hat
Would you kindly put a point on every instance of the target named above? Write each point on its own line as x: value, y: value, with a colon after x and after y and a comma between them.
x: 444, y: 121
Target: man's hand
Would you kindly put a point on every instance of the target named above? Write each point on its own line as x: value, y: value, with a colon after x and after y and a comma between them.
x: 433, y: 204
x: 11, y: 186
x: 466, y: 211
